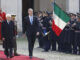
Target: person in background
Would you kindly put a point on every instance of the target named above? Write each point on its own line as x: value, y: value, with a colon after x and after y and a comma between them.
x: 52, y: 35
x: 68, y: 36
x: 67, y: 48
x: 72, y: 33
x: 8, y: 34
x: 45, y: 29
x: 40, y: 37
x: 77, y: 35
x: 55, y: 40
x: 2, y: 15
x: 14, y: 39
x: 2, y: 18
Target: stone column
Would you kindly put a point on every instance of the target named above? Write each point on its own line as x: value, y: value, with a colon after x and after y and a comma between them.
x: 13, y: 7
x: 3, y: 5
x: 45, y: 5
x: 61, y: 4
x: 73, y: 6
x: 19, y: 15
x: 36, y: 5
x: 67, y: 6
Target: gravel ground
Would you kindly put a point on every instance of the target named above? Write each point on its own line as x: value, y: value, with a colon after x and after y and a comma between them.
x: 51, y: 55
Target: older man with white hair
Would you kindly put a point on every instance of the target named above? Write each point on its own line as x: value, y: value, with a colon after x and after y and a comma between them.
x: 7, y: 35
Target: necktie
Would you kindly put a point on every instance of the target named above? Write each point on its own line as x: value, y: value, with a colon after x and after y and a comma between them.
x: 8, y: 22
x: 31, y: 20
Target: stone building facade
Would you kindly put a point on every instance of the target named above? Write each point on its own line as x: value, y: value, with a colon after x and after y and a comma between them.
x: 19, y: 7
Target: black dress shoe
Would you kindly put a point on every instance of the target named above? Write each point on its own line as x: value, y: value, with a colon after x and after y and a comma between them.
x: 30, y: 57
x: 11, y: 56
x: 16, y: 54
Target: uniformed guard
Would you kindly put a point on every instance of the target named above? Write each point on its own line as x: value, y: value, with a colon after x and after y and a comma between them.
x: 67, y: 37
x: 14, y: 39
x: 40, y: 37
x: 67, y: 40
x: 77, y: 34
x: 71, y: 36
x: 72, y: 33
x: 45, y: 29
x: 52, y: 35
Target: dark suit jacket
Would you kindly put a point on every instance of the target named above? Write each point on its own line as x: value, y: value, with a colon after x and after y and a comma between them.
x: 28, y: 28
x: 8, y: 32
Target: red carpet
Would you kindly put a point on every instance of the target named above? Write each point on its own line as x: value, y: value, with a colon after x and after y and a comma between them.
x: 3, y: 57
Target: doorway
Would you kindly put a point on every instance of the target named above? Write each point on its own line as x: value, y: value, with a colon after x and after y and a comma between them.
x: 26, y: 4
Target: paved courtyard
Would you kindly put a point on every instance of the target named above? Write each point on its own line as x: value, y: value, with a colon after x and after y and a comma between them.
x: 51, y: 55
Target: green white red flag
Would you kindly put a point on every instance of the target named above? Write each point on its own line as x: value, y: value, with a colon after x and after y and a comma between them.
x: 60, y: 19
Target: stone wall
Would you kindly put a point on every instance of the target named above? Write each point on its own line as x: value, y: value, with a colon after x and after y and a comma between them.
x: 62, y: 4
x: 13, y: 7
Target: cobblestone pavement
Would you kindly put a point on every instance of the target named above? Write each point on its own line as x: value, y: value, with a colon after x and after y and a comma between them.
x: 51, y: 55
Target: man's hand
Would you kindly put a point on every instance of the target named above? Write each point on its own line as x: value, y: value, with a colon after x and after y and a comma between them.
x: 3, y: 39
x: 37, y: 33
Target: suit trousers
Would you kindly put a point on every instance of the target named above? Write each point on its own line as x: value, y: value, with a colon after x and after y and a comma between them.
x: 8, y: 52
x: 31, y: 40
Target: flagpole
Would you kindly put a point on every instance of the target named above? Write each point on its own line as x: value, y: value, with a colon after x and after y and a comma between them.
x: 54, y: 1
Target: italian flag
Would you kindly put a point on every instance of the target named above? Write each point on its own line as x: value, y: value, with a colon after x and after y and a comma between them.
x: 60, y: 19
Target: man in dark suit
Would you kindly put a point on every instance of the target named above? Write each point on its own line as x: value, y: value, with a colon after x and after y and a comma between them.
x: 30, y: 27
x: 7, y: 36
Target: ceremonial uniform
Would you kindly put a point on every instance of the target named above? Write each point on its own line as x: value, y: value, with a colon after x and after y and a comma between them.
x: 40, y: 37
x: 53, y: 39
x: 53, y: 36
x: 73, y: 41
x: 67, y: 40
x: 61, y: 46
x: 14, y: 39
x: 2, y: 18
x: 70, y: 37
x: 77, y: 35
x: 45, y: 29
